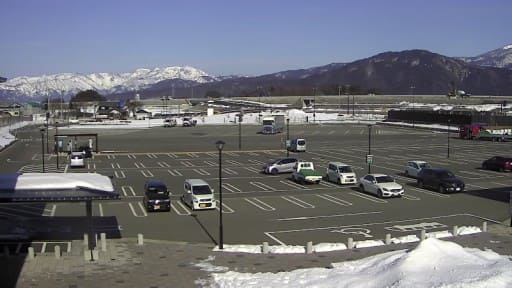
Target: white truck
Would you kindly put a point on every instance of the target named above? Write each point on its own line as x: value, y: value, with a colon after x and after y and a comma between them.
x: 304, y: 172
x: 272, y: 124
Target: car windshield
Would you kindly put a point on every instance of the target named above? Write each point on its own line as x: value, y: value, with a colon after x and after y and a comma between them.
x: 275, y: 161
x: 445, y: 174
x: 157, y: 189
x: 301, y: 142
x: 424, y: 165
x: 345, y: 169
x: 384, y: 179
x: 201, y: 190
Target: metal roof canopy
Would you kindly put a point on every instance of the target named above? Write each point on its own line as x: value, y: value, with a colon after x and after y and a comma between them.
x: 52, y: 187
x: 75, y: 135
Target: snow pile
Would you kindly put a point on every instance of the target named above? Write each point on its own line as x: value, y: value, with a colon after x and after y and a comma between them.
x: 433, y: 263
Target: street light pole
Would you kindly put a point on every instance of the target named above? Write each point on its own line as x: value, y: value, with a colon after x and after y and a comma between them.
x: 314, y: 105
x: 240, y: 117
x: 369, y: 148
x: 42, y: 146
x: 220, y: 146
x: 287, y: 137
x: 448, y: 141
x: 57, y: 143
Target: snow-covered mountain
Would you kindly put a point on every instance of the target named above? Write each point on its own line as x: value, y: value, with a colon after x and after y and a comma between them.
x: 501, y: 58
x: 67, y: 84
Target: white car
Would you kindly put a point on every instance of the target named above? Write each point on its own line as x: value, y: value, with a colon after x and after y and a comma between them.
x: 412, y: 168
x: 340, y: 173
x: 198, y: 195
x: 76, y: 159
x: 381, y: 185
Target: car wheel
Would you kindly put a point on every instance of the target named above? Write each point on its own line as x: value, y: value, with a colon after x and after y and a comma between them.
x: 302, y: 181
x: 407, y: 173
x: 379, y: 193
x: 361, y: 187
x: 441, y: 189
x: 501, y: 169
x: 274, y: 171
x: 484, y: 166
x: 420, y: 184
x: 339, y: 181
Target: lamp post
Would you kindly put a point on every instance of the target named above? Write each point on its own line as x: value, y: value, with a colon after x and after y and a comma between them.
x: 42, y: 146
x: 287, y: 137
x: 314, y: 105
x: 369, y: 158
x: 353, y: 105
x: 339, y: 96
x: 448, y: 141
x: 413, y: 110
x: 240, y: 118
x: 57, y: 143
x: 220, y: 146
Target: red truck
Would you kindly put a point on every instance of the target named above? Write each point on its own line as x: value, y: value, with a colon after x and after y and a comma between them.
x: 481, y: 131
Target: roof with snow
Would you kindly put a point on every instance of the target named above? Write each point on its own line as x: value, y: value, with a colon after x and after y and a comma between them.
x: 56, y: 187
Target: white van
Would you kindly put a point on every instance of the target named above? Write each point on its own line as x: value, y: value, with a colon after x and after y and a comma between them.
x: 198, y: 195
x: 340, y: 173
x: 297, y: 145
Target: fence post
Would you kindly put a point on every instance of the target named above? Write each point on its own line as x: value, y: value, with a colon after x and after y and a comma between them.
x: 388, y: 239
x: 140, y: 239
x: 309, y: 247
x: 264, y: 248
x: 350, y: 243
x: 423, y: 235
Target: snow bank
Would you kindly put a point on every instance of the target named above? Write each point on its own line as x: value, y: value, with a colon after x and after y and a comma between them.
x: 433, y: 263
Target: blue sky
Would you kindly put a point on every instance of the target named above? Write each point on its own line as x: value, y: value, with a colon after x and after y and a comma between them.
x: 237, y: 36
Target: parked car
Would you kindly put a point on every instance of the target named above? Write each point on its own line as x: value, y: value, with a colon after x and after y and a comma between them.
x: 156, y: 196
x: 76, y: 159
x: 304, y: 172
x: 412, y: 168
x: 440, y: 179
x: 279, y: 165
x: 340, y: 173
x: 498, y: 163
x: 198, y: 194
x: 86, y: 151
x: 381, y: 185
x: 297, y: 145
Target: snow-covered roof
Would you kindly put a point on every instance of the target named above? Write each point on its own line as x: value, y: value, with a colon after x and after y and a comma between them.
x: 56, y: 186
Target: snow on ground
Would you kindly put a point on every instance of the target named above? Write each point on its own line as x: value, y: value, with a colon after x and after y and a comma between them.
x: 433, y: 263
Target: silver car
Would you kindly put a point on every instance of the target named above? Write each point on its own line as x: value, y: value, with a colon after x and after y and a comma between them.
x: 412, y: 168
x: 279, y: 165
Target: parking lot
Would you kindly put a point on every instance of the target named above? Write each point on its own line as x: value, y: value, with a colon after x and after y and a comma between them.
x: 259, y: 207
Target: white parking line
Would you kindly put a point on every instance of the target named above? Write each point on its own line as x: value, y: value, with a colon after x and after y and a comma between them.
x: 187, y: 163
x: 328, y: 184
x: 171, y: 155
x: 152, y: 156
x: 256, y: 161
x: 144, y: 214
x: 229, y: 171
x: 174, y: 172
x: 260, y: 204
x: 370, y: 198
x: 410, y: 197
x: 119, y: 174
x: 233, y: 162
x: 252, y: 169
x: 100, y: 207
x: 127, y: 190
x: 479, y: 187
x: 183, y: 207
x: 201, y: 171
x: 262, y: 186
x: 431, y: 193
x: 335, y: 200
x: 298, y: 202
x: 293, y: 184
x: 232, y: 154
x: 115, y: 165
x: 210, y: 163
x: 147, y: 173
x: 139, y: 165
x: 225, y: 208
x: 192, y: 155
x: 132, y: 156
x: 111, y: 156
x: 163, y: 164
x: 211, y: 154
x: 231, y: 188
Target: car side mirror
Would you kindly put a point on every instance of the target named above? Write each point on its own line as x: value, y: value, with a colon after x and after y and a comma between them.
x: 213, y: 190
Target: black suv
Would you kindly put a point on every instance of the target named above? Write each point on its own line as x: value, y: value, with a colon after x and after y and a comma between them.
x: 156, y: 196
x: 439, y: 179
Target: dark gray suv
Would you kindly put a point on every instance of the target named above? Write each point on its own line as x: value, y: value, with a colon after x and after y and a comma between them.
x: 440, y: 179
